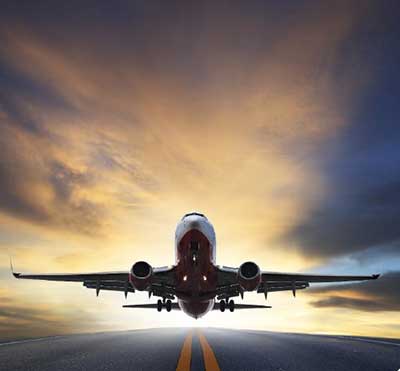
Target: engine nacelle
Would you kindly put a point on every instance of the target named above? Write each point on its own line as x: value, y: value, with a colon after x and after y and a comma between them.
x: 249, y: 276
x: 141, y: 275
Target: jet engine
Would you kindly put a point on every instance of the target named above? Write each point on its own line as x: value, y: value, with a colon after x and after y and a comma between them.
x: 140, y: 275
x: 249, y: 276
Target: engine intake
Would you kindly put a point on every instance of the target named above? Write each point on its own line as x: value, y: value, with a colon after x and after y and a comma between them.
x: 140, y: 275
x: 249, y: 276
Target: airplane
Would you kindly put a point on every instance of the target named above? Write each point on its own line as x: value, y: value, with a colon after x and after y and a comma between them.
x: 198, y: 284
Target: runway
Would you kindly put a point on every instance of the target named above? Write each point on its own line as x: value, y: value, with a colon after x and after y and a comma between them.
x: 200, y: 349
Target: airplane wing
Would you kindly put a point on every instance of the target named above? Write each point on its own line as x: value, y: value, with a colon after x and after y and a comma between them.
x: 175, y: 306
x: 228, y: 285
x: 79, y: 277
x: 296, y: 277
x: 161, y: 285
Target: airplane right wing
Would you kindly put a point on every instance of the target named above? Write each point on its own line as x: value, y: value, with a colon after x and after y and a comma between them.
x: 162, y: 280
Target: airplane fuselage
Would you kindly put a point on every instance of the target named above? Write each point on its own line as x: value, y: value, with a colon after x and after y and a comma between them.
x: 196, y: 275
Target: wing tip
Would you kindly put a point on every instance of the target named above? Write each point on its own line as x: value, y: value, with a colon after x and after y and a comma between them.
x: 15, y: 274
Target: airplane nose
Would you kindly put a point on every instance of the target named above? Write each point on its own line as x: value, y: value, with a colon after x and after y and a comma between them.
x: 193, y: 224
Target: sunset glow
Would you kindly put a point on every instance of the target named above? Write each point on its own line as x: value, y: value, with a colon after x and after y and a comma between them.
x: 283, y: 133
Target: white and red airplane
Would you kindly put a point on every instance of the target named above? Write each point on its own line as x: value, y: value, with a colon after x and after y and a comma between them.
x: 195, y: 279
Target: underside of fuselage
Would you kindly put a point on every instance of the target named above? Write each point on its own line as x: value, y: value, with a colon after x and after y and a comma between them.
x: 196, y: 309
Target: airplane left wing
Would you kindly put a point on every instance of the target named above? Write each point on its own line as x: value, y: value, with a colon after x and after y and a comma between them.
x: 298, y: 277
x: 229, y: 286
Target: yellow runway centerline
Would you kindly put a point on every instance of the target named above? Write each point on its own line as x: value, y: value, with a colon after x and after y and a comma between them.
x: 210, y: 361
x: 186, y: 354
x: 184, y: 362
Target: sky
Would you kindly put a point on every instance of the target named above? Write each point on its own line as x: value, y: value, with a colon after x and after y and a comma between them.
x: 278, y: 120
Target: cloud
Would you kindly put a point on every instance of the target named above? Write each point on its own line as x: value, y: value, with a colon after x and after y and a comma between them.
x: 372, y: 296
x: 38, y: 187
x: 136, y: 131
x: 360, y: 208
x: 353, y: 220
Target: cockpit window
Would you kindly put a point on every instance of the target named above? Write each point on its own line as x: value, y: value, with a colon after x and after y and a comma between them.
x: 194, y: 213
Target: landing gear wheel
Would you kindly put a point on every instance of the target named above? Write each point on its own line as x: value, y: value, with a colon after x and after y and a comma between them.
x: 168, y: 305
x: 159, y: 305
x: 222, y: 305
x: 231, y: 305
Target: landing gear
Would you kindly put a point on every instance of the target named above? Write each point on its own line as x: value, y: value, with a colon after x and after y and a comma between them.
x: 226, y: 305
x: 231, y: 305
x: 164, y: 303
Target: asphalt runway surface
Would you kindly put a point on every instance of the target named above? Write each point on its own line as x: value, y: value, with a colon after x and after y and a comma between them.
x: 200, y: 349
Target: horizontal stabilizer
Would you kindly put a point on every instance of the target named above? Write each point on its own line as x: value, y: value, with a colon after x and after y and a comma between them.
x: 246, y: 306
x: 175, y: 306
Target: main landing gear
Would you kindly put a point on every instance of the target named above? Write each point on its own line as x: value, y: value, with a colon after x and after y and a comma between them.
x: 166, y: 303
x: 223, y: 305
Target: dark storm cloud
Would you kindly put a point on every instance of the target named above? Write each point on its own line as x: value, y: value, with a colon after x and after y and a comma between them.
x: 371, y: 296
x: 355, y: 219
x: 361, y: 209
